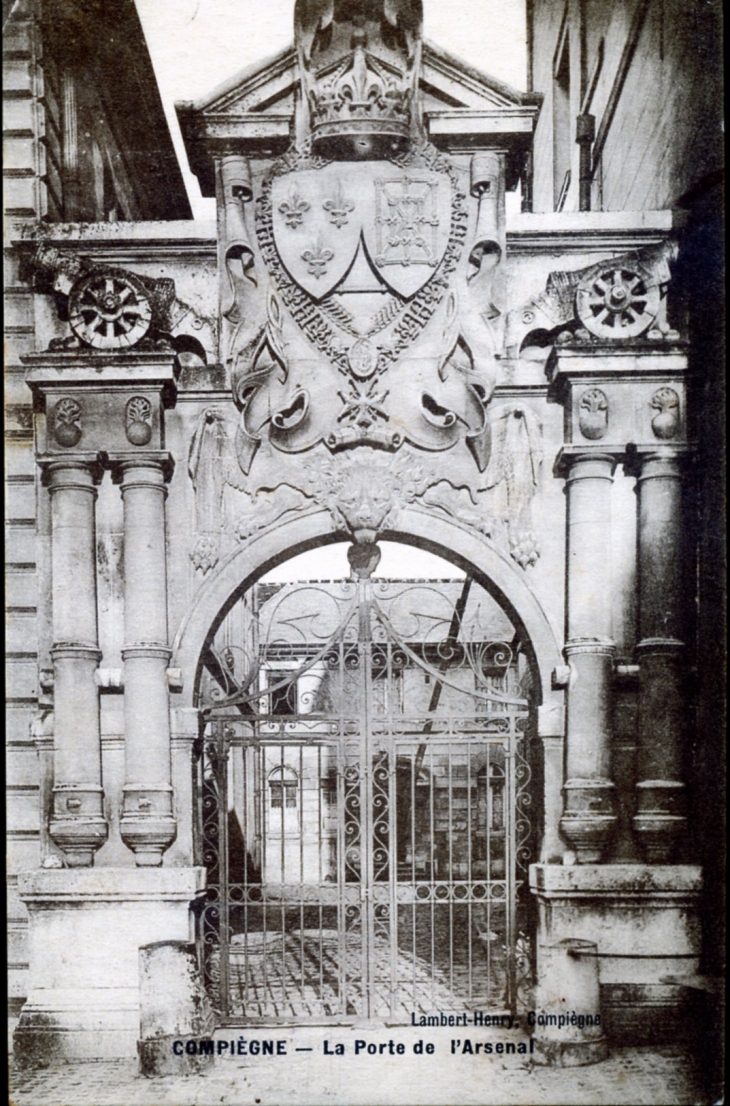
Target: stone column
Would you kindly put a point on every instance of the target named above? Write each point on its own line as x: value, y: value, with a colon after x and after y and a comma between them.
x: 659, y: 820
x: 147, y: 823
x: 589, y: 817
x: 78, y: 825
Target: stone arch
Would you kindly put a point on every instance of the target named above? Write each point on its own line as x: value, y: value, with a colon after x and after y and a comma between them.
x: 449, y: 539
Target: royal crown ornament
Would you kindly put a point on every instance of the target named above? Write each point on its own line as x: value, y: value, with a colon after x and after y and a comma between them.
x: 359, y: 64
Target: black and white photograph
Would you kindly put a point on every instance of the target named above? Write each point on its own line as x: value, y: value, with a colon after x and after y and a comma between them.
x: 365, y: 552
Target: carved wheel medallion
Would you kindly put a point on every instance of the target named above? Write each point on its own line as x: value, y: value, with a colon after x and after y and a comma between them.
x: 617, y: 303
x: 109, y: 310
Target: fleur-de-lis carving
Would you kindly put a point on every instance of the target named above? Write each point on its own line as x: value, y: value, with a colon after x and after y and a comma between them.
x: 339, y: 207
x: 317, y: 258
x: 294, y: 209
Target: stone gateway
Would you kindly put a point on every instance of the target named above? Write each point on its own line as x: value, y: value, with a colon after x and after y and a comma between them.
x: 370, y: 799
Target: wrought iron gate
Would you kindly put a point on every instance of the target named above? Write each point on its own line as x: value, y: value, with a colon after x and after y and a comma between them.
x: 362, y: 806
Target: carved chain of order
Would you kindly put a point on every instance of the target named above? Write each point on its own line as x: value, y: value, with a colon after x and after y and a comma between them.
x: 318, y: 320
x: 109, y: 310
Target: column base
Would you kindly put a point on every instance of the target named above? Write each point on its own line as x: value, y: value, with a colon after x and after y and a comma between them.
x: 147, y: 826
x: 589, y: 820
x: 78, y: 825
x: 659, y: 821
x: 632, y: 912
x: 84, y: 1002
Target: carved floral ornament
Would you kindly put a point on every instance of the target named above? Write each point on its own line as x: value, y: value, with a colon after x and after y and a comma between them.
x: 364, y: 489
x: 665, y: 423
x: 138, y: 417
x: 67, y: 428
x: 593, y: 414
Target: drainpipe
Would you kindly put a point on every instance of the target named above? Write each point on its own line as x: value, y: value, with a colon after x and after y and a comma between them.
x: 585, y: 134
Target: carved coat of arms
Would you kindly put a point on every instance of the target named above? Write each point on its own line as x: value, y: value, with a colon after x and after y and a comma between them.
x: 402, y: 218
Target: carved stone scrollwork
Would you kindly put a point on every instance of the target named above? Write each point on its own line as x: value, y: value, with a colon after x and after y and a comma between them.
x: 66, y: 421
x: 593, y: 414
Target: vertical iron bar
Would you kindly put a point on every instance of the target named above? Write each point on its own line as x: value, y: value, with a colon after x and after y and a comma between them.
x: 221, y: 744
x: 510, y: 871
x: 392, y: 842
x: 470, y: 835
x: 433, y: 884
x: 367, y: 746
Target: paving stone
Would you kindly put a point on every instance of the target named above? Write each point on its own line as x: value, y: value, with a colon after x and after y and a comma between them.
x: 640, y: 1077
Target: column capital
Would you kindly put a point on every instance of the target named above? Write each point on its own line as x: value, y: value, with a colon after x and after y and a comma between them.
x: 57, y: 470
x: 128, y: 468
x: 602, y: 647
x: 645, y: 462
x: 572, y: 456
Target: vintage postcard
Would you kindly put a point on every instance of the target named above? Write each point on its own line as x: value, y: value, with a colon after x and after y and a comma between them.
x: 364, y: 551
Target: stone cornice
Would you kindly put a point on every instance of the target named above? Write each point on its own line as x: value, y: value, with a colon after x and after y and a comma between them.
x: 615, y: 881
x: 86, y: 370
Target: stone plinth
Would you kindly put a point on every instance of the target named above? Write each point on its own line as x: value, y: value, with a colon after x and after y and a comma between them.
x: 86, y: 927
x: 644, y: 920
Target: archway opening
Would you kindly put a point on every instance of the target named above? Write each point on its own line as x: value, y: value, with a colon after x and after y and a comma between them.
x: 365, y: 801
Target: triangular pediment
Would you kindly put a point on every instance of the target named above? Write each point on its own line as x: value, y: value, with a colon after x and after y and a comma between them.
x: 255, y: 111
x: 446, y: 82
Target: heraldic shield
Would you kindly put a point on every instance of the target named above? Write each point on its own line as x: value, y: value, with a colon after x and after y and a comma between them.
x: 320, y: 216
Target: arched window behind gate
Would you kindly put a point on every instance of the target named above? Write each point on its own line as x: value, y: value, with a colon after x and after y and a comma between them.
x: 283, y: 786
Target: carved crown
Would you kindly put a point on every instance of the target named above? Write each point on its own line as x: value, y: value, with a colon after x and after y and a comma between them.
x: 359, y: 68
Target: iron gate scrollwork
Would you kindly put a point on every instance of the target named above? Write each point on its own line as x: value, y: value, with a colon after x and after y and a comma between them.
x: 363, y: 804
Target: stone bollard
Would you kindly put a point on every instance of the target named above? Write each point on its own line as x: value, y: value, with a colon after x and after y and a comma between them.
x: 568, y: 1024
x: 173, y: 1010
